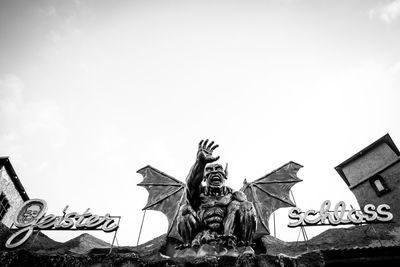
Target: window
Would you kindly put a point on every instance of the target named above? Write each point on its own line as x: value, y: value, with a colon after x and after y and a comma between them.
x: 4, y: 206
x: 378, y: 184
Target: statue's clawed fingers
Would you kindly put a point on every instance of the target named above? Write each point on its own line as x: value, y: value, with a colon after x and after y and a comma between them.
x: 210, y: 145
x: 214, y: 159
x: 205, y: 144
x: 200, y: 144
x: 208, y: 148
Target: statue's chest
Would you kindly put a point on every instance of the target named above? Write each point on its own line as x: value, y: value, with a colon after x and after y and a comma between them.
x: 208, y: 201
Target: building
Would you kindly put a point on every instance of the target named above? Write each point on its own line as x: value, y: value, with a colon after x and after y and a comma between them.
x: 12, y: 193
x: 373, y: 174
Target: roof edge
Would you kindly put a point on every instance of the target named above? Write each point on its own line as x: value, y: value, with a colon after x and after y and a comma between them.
x: 5, y: 161
x: 384, y: 139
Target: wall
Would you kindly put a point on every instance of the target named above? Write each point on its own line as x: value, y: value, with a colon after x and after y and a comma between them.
x: 368, y: 163
x: 15, y: 200
x: 365, y: 193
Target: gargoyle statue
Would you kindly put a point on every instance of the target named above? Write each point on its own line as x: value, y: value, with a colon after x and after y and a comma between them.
x: 205, y: 211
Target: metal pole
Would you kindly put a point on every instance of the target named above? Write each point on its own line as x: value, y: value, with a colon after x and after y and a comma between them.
x: 303, y: 230
x: 274, y: 225
x: 298, y: 237
x: 115, y: 235
x: 294, y: 200
x: 112, y: 244
x: 141, y: 226
x: 377, y: 235
x: 304, y: 235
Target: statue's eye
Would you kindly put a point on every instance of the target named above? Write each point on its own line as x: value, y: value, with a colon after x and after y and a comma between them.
x: 208, y: 169
x: 219, y: 168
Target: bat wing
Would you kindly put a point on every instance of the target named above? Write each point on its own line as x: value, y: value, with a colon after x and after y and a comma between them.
x: 166, y: 194
x: 270, y: 193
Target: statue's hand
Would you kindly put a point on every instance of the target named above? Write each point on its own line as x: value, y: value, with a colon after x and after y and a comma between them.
x: 204, y: 154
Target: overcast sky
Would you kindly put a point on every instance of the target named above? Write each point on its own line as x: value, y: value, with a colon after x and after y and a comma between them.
x: 92, y: 91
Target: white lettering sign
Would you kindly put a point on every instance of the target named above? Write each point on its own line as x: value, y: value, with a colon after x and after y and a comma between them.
x: 32, y: 216
x: 339, y: 215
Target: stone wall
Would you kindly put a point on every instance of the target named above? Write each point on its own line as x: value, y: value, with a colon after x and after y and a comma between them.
x: 12, y: 195
x: 368, y: 163
x: 366, y: 194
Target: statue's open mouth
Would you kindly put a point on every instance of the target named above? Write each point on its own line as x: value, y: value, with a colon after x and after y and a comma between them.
x: 216, y: 179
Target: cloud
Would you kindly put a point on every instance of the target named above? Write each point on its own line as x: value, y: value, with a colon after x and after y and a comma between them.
x: 11, y: 89
x: 386, y: 12
x: 61, y: 18
x: 24, y: 119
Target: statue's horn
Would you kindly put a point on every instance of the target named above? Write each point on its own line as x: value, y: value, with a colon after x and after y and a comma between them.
x: 226, y: 171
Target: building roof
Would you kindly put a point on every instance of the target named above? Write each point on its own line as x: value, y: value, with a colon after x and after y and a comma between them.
x: 384, y: 139
x: 363, y: 256
x: 5, y: 161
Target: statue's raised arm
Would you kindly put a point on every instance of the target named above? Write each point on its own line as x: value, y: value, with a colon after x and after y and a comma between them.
x: 211, y: 218
x: 196, y: 174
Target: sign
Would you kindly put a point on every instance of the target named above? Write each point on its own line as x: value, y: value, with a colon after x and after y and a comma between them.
x: 339, y: 215
x: 32, y: 216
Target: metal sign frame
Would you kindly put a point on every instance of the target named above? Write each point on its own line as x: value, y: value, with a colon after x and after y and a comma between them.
x: 31, y: 217
x: 340, y: 215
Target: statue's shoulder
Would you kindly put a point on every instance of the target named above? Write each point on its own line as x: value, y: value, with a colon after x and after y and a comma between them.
x: 228, y: 190
x: 203, y: 190
x: 239, y: 196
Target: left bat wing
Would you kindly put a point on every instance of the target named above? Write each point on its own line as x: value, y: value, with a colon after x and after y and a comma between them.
x: 270, y: 193
x: 166, y: 194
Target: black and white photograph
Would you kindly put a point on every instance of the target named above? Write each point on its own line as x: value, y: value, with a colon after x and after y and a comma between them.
x: 199, y: 133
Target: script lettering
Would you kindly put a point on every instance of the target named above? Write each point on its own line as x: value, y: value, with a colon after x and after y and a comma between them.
x: 295, y: 214
x: 370, y: 213
x: 71, y: 220
x: 339, y: 215
x: 383, y: 210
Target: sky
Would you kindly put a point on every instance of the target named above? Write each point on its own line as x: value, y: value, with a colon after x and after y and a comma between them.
x: 92, y: 91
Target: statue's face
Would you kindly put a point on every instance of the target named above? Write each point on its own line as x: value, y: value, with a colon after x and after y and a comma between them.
x: 31, y: 213
x: 214, y: 175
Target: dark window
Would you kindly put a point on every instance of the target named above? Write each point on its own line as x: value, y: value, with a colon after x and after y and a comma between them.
x: 378, y: 184
x: 4, y: 206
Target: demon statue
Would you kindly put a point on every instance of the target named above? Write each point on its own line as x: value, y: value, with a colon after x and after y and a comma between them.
x: 214, y: 211
x: 205, y: 212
